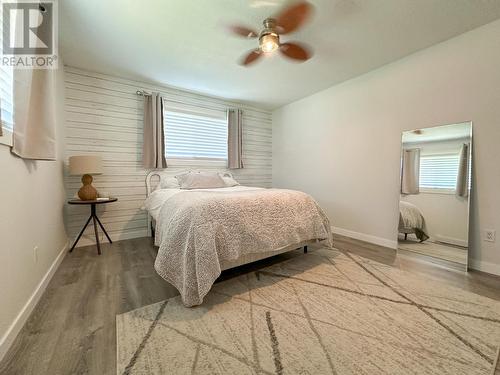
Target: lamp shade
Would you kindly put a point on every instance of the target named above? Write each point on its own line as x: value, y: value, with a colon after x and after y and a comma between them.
x: 79, y: 165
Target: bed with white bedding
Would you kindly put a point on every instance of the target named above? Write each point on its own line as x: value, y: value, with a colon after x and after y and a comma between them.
x: 412, y: 221
x: 201, y: 232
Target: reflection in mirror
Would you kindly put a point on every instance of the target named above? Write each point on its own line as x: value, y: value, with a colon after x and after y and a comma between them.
x: 435, y: 190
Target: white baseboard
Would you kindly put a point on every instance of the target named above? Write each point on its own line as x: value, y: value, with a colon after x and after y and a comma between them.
x: 483, y: 266
x: 21, y: 318
x: 392, y: 244
x: 451, y: 241
x: 479, y: 265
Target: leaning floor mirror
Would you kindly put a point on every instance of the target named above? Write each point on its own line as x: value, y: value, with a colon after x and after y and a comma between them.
x: 435, y: 190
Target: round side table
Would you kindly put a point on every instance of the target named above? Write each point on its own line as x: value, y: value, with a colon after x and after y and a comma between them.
x: 93, y: 217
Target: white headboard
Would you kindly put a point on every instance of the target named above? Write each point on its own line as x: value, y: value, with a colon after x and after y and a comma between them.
x: 160, y: 174
x: 150, y: 179
x: 155, y: 177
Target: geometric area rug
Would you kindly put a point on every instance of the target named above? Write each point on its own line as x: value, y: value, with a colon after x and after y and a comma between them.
x: 325, y: 312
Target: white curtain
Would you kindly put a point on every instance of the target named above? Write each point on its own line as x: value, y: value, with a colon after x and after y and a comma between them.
x: 34, y: 130
x: 462, y: 187
x: 234, y: 139
x: 410, y: 173
x: 34, y: 135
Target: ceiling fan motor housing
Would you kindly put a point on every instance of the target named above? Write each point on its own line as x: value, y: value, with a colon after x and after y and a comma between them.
x: 269, y: 39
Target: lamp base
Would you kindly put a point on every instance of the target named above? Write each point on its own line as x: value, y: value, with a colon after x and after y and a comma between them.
x: 87, y: 192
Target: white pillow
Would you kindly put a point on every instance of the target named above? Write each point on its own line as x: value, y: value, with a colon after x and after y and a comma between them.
x: 228, y: 179
x: 169, y: 183
x: 200, y: 180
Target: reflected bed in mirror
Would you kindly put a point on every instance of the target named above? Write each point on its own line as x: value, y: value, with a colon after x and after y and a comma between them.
x: 435, y: 191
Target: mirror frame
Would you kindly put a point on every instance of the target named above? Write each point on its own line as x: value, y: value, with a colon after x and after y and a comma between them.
x: 443, y: 262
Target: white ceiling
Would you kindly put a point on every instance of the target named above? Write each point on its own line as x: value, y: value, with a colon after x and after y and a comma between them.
x: 438, y: 133
x: 182, y: 43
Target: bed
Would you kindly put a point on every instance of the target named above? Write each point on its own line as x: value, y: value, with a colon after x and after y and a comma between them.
x: 411, y: 221
x: 201, y: 232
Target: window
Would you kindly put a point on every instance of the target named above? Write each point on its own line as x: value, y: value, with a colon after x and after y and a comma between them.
x: 189, y: 136
x: 6, y: 95
x: 439, y: 171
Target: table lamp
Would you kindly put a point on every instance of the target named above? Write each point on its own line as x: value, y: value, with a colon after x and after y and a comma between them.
x: 86, y: 166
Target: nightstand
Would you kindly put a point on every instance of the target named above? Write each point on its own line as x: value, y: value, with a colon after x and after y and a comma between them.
x: 93, y: 216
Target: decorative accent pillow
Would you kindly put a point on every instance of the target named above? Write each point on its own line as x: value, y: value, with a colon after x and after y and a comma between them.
x: 200, y: 180
x: 228, y: 179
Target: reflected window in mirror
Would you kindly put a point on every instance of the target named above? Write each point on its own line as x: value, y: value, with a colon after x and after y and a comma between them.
x: 439, y: 172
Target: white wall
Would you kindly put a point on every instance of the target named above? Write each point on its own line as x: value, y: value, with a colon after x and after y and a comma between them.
x: 445, y: 216
x: 342, y: 144
x: 31, y: 200
x: 105, y: 117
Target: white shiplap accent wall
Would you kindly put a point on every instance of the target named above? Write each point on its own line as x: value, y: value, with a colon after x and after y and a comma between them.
x: 104, y: 117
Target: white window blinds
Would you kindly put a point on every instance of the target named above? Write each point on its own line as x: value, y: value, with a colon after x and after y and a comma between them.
x: 6, y: 85
x: 439, y: 171
x: 6, y: 97
x: 192, y: 136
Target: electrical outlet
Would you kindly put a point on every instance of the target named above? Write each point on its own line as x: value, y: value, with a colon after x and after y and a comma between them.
x: 35, y: 254
x: 489, y: 235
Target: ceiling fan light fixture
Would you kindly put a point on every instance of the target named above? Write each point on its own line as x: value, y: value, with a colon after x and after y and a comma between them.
x: 269, y: 42
x: 287, y: 21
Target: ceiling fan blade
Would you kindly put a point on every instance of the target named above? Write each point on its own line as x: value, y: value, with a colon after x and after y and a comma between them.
x: 243, y: 31
x: 296, y: 51
x: 251, y: 57
x: 293, y: 17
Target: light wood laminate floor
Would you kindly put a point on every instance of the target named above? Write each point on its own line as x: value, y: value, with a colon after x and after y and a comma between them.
x: 456, y: 255
x: 72, y: 329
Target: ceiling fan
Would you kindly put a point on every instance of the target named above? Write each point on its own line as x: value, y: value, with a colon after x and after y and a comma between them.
x: 289, y: 20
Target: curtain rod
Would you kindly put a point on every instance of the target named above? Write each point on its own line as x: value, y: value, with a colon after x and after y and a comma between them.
x: 145, y: 93
x: 142, y: 93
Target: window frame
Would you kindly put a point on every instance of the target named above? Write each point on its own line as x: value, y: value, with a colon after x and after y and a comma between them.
x: 188, y: 160
x: 427, y: 190
x: 6, y: 137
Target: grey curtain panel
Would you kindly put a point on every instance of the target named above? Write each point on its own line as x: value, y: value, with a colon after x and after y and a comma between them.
x: 154, y: 134
x: 410, y: 174
x: 234, y: 139
x: 34, y: 135
x: 462, y: 188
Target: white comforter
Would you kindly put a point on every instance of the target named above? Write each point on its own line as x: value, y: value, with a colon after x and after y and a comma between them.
x: 156, y: 199
x: 196, y: 230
